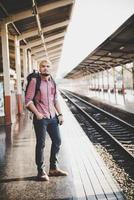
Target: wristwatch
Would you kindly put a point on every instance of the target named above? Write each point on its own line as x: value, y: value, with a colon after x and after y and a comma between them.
x: 60, y: 114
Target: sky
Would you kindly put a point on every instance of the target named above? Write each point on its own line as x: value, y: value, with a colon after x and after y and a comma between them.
x: 92, y: 21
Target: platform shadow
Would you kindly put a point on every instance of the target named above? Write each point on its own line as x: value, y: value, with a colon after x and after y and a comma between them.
x: 30, y: 178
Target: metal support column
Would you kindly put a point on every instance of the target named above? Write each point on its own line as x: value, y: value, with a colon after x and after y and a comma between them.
x: 98, y: 81
x: 114, y: 80
x: 18, y: 73
x: 133, y: 75
x: 123, y: 82
x: 25, y: 67
x: 91, y: 81
x: 6, y: 73
x: 95, y: 83
x: 29, y: 62
x: 108, y: 87
x: 103, y: 81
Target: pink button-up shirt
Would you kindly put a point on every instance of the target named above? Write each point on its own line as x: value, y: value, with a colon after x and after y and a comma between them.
x: 45, y: 99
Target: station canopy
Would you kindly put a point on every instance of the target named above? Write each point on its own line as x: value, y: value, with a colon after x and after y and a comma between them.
x: 40, y: 25
x: 116, y: 50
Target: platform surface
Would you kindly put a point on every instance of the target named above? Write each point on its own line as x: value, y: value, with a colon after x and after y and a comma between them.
x: 88, y: 176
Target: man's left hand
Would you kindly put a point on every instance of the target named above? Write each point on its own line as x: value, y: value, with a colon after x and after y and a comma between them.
x: 61, y: 120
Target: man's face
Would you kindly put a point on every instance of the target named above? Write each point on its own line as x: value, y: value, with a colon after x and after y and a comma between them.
x: 45, y: 69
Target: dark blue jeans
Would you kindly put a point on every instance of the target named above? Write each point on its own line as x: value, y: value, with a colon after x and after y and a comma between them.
x: 41, y: 127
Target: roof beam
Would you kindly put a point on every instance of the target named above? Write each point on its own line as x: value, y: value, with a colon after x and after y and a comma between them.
x: 88, y: 69
x: 39, y: 55
x: 55, y: 52
x: 43, y: 55
x: 33, y: 32
x: 54, y: 44
x: 38, y: 42
x: 55, y: 55
x: 124, y: 67
x: 51, y: 59
x: 49, y: 51
x: 32, y: 44
x: 37, y: 49
x: 41, y: 9
x: 55, y: 59
x: 11, y: 37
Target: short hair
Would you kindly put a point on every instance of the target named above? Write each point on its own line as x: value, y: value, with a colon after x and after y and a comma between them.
x: 46, y: 61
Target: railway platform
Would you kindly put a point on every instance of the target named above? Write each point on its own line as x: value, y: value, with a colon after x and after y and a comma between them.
x: 123, y: 102
x: 88, y: 176
x: 120, y: 105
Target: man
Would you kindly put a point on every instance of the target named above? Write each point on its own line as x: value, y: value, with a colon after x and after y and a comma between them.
x: 44, y: 106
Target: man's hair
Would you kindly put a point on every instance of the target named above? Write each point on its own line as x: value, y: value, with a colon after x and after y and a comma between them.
x: 45, y: 61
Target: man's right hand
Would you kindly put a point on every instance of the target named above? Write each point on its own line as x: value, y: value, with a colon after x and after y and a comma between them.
x: 35, y: 111
x: 39, y: 116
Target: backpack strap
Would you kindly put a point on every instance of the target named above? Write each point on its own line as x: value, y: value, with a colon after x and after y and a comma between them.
x: 37, y: 88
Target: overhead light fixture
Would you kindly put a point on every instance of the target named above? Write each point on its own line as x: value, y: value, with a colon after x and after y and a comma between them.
x: 122, y: 47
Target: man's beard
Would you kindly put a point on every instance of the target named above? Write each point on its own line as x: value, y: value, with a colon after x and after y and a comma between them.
x: 45, y: 74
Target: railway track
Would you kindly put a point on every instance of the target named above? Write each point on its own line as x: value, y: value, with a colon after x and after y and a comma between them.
x: 120, y: 133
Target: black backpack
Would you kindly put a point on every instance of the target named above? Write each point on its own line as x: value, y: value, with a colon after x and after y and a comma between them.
x: 36, y: 74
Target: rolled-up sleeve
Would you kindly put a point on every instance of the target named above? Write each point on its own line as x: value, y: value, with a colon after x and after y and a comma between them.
x: 30, y: 92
